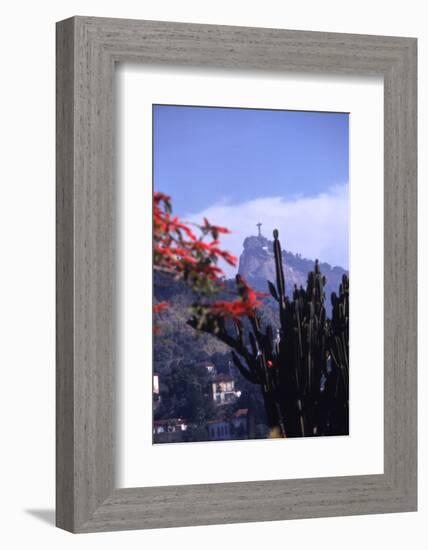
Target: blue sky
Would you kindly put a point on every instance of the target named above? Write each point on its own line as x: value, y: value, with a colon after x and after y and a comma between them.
x: 238, y: 164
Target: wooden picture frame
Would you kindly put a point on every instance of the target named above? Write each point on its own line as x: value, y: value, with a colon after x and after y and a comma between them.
x: 87, y: 50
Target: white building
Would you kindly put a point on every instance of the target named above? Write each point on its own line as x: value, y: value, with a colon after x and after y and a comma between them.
x: 156, y: 391
x: 223, y: 390
x: 169, y: 425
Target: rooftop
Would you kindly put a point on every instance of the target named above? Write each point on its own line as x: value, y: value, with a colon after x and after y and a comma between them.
x: 223, y: 378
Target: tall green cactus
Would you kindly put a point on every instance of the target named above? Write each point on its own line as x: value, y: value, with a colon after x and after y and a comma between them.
x: 304, y: 373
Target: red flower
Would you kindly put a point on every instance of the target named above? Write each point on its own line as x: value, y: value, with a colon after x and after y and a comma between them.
x: 242, y: 307
x: 181, y: 226
x: 215, y: 228
x: 178, y: 251
x: 161, y: 197
x: 160, y: 306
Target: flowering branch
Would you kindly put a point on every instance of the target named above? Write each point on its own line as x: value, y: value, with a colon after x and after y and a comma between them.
x: 244, y: 306
x: 179, y: 252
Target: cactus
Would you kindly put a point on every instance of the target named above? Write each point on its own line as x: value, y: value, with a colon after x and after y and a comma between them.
x: 304, y: 373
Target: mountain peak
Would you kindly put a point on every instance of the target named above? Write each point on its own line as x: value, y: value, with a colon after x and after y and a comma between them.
x: 257, y: 266
x: 257, y: 243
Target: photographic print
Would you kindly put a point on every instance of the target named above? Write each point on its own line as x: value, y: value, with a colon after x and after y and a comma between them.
x: 250, y: 274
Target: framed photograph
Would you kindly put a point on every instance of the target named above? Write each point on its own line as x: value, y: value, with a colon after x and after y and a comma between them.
x: 236, y: 274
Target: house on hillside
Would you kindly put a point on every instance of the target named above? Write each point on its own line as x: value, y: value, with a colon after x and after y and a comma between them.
x: 240, y: 422
x: 211, y: 370
x: 169, y: 425
x: 237, y: 427
x: 169, y: 430
x: 219, y: 430
x: 156, y: 391
x: 223, y: 390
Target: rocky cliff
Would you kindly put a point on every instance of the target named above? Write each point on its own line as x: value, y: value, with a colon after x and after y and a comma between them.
x: 257, y: 265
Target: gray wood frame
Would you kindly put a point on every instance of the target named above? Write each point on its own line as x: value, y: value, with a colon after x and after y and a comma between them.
x: 87, y: 50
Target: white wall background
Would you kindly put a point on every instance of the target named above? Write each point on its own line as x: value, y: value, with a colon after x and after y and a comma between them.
x: 27, y: 272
